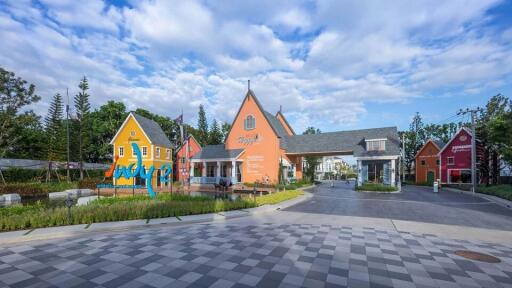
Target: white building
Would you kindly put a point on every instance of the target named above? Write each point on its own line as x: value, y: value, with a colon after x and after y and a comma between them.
x: 330, y: 166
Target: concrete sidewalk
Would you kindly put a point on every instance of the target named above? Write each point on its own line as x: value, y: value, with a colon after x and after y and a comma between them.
x: 85, y: 229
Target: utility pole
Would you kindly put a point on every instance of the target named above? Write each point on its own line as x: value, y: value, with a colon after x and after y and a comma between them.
x: 402, y: 166
x: 67, y: 136
x: 473, y: 144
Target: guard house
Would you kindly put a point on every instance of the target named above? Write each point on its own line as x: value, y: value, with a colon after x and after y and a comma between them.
x: 260, y: 142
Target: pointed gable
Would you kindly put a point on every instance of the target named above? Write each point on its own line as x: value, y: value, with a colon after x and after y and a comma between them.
x: 270, y: 119
x: 285, y: 123
x: 150, y: 129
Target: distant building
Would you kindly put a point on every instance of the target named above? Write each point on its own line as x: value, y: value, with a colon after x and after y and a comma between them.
x: 330, y: 166
x: 427, y: 162
x: 455, y: 158
x: 183, y: 155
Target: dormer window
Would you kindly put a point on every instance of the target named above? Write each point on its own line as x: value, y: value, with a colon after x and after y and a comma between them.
x: 249, y: 122
x: 376, y: 144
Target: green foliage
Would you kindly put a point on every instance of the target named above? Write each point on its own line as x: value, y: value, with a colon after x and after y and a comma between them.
x: 202, y: 127
x: 30, y: 137
x: 54, y: 130
x: 36, y: 189
x: 215, y: 135
x: 225, y: 130
x: 15, y: 94
x: 376, y: 188
x: 278, y: 197
x: 311, y: 161
x: 503, y: 191
x: 82, y: 107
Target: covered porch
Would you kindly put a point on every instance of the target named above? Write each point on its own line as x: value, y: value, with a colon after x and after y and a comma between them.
x: 212, y: 172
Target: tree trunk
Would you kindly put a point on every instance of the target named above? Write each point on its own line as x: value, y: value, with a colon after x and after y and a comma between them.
x: 495, y: 167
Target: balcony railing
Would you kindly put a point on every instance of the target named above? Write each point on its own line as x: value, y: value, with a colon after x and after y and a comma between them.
x: 211, y: 180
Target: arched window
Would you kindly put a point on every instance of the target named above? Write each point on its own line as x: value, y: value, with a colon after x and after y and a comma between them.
x: 249, y: 123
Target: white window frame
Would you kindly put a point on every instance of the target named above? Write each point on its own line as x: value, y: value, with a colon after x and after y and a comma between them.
x: 249, y: 125
x: 168, y: 153
x: 145, y: 149
x: 370, y: 143
x: 157, y: 152
x: 448, y: 160
x: 121, y: 151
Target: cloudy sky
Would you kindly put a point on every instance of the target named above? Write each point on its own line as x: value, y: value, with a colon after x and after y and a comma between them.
x: 331, y: 64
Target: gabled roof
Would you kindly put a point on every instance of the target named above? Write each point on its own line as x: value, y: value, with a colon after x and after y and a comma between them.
x: 274, y: 123
x: 438, y: 143
x: 455, y: 136
x: 285, y: 121
x: 188, y: 138
x: 150, y: 128
x: 343, y: 141
x: 217, y: 152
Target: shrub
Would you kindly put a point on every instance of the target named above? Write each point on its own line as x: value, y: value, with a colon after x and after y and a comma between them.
x: 376, y: 187
x: 503, y: 191
x: 35, y: 189
x: 127, y: 208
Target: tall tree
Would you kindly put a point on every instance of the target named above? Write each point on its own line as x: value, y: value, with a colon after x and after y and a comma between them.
x: 82, y: 107
x: 414, y: 140
x: 54, y: 129
x: 311, y: 162
x: 31, y: 142
x: 202, y: 126
x: 15, y: 94
x: 225, y: 130
x: 106, y: 120
x: 215, y: 135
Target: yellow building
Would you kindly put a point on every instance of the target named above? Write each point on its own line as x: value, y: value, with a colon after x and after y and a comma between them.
x: 155, y: 149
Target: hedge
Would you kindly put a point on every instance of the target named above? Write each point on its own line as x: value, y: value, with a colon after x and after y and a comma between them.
x: 22, y: 175
x: 375, y: 187
x: 36, y: 189
x: 127, y: 208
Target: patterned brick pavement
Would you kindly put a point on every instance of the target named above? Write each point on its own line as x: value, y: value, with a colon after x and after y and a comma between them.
x: 269, y: 255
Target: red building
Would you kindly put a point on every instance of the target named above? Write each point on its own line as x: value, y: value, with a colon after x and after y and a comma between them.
x: 427, y: 162
x: 182, y: 169
x: 455, y: 158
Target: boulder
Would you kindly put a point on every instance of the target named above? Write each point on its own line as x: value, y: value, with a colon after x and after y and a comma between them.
x: 75, y: 194
x: 10, y: 199
x: 85, y: 200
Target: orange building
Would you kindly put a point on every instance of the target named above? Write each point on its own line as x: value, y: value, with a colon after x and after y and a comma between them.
x: 260, y: 143
x: 427, y: 162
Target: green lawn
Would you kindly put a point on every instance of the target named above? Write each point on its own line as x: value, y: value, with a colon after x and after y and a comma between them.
x: 376, y: 188
x: 127, y: 208
x: 503, y: 191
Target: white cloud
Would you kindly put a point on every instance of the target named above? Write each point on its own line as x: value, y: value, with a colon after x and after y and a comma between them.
x: 165, y: 56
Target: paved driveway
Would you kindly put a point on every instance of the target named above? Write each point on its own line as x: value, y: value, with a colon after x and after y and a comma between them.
x: 413, y: 204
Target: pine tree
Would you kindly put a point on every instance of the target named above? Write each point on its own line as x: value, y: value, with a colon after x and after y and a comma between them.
x: 202, y: 127
x: 54, y: 129
x: 215, y: 135
x: 82, y: 107
x: 225, y: 129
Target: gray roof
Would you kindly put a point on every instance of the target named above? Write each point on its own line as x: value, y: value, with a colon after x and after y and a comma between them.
x: 344, y: 141
x: 276, y: 124
x: 217, y: 152
x: 153, y: 131
x: 439, y: 143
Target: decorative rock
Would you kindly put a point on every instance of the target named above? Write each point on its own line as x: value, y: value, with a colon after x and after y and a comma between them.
x: 75, y: 194
x: 85, y: 200
x: 10, y: 199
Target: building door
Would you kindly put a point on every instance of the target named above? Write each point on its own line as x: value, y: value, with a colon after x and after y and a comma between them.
x: 430, y: 177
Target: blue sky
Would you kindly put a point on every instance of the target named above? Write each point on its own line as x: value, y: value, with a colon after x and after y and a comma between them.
x: 335, y: 65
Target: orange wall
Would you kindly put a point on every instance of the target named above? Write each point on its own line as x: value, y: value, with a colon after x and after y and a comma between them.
x: 261, y: 157
x: 429, y: 154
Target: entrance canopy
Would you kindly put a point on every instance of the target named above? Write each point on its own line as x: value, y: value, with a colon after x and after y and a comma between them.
x: 352, y: 142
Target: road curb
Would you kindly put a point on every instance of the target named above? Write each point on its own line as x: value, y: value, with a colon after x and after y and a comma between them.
x: 48, y: 233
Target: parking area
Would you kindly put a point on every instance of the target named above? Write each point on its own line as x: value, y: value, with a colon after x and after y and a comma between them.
x: 414, y: 203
